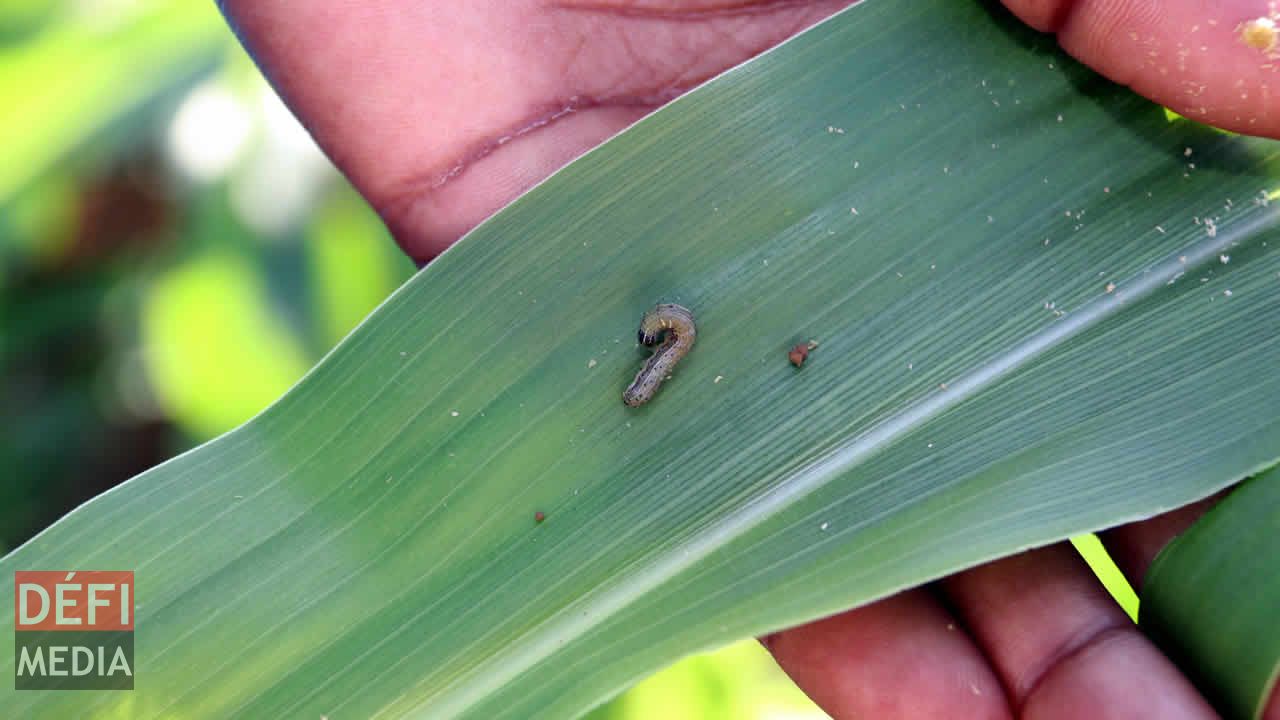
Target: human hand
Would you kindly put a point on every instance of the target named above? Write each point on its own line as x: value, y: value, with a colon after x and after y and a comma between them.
x: 1032, y: 636
x: 442, y: 112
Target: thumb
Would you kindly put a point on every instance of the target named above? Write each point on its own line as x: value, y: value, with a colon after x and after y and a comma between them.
x: 1215, y: 61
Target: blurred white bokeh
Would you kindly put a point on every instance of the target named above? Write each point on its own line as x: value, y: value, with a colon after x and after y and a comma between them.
x: 209, y: 132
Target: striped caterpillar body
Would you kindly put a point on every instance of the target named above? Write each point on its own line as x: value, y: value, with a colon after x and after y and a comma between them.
x: 676, y: 322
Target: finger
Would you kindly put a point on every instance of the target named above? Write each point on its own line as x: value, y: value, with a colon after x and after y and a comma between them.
x: 902, y: 657
x: 1135, y: 545
x: 441, y: 112
x: 1061, y: 646
x: 399, y: 93
x: 1188, y: 55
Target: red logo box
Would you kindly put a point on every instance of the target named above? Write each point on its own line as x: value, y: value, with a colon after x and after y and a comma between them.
x: 73, y: 601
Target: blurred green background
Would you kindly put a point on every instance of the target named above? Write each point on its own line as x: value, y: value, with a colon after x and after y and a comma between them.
x: 175, y: 253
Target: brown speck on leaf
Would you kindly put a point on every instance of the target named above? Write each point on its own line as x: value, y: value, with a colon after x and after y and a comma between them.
x: 798, y: 354
x: 539, y: 516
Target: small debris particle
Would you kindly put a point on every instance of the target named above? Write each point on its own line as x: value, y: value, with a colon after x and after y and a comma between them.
x: 824, y: 526
x: 856, y: 164
x: 454, y: 413
x: 1159, y: 229
x: 853, y: 210
x: 591, y: 363
x: 403, y: 353
x: 942, y: 386
x: 718, y: 379
x: 1211, y: 227
x: 1227, y: 293
x: 835, y: 130
x: 1106, y: 189
x: 1059, y: 117
x: 1111, y: 287
x: 1259, y: 34
x: 1182, y: 259
x: 1224, y: 258
x: 1186, y: 152
x: 539, y: 516
x: 798, y: 354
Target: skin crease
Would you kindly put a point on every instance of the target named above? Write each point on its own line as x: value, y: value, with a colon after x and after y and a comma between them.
x: 441, y: 112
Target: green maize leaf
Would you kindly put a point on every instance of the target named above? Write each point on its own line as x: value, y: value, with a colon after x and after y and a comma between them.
x: 1042, y: 308
x: 1212, y: 598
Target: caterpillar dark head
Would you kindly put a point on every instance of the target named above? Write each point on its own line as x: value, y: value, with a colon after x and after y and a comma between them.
x: 648, y: 338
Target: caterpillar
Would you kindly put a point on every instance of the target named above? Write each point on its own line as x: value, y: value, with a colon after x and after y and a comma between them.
x: 676, y: 322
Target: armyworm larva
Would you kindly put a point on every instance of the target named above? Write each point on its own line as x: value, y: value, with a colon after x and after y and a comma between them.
x: 676, y: 322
